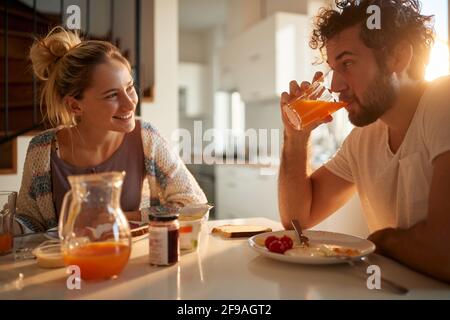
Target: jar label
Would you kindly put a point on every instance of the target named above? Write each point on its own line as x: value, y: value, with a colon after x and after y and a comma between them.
x: 159, y: 245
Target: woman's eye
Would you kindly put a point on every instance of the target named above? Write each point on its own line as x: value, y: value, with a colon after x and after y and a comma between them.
x: 112, y: 95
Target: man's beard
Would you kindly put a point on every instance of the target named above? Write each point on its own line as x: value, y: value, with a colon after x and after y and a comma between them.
x: 378, y: 98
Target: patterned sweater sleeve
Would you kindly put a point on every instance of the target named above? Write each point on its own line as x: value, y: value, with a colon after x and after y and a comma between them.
x: 28, y: 213
x: 170, y: 181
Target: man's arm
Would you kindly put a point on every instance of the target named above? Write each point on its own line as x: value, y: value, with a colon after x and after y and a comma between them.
x: 425, y: 247
x: 308, y: 198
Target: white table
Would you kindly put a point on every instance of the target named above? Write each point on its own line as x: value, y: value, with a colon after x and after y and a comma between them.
x: 220, y: 269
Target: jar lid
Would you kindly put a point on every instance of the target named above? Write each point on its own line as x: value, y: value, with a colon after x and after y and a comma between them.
x: 166, y: 216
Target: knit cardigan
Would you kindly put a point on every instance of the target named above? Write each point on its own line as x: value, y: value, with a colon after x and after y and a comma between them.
x: 167, y: 180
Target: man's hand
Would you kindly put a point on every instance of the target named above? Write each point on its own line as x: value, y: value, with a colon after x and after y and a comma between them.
x: 378, y: 238
x: 296, y: 91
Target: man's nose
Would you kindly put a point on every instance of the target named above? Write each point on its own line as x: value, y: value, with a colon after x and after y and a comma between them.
x: 338, y: 83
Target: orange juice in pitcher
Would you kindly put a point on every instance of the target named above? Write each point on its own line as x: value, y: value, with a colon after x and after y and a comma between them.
x: 94, y: 231
x: 101, y: 260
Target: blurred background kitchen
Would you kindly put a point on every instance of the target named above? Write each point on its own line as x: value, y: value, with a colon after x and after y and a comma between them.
x: 219, y: 63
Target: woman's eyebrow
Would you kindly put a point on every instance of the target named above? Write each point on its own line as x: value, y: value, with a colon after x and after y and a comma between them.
x: 131, y: 82
x: 109, y: 90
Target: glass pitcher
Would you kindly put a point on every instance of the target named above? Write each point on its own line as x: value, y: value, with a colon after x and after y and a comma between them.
x: 93, y: 229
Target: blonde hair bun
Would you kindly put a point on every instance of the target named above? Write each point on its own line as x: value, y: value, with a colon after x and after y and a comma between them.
x: 45, y: 53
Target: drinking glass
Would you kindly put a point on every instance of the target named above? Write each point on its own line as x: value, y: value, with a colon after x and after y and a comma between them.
x: 315, y: 103
x: 7, y: 212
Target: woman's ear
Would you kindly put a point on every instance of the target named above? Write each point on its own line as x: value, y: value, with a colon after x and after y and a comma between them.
x: 73, y: 105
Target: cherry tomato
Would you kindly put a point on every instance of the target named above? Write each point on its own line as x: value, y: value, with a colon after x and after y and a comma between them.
x: 269, y: 240
x: 287, y: 241
x: 277, y: 246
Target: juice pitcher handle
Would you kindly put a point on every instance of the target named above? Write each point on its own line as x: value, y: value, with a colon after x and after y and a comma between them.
x: 63, y: 214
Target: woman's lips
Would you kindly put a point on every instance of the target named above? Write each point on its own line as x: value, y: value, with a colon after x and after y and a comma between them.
x: 124, y: 117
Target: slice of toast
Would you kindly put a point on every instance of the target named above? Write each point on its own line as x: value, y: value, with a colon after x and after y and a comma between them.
x: 239, y: 231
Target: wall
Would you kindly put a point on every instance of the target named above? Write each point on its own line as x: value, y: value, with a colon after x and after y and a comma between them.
x: 11, y: 182
x: 163, y: 111
x: 99, y: 24
x: 192, y: 46
x: 200, y: 47
x: 147, y: 44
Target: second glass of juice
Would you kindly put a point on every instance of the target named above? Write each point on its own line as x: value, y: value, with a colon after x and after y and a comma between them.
x: 316, y: 103
x: 7, y: 211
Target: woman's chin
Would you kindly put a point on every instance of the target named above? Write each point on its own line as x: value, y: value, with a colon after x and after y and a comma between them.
x: 124, y: 125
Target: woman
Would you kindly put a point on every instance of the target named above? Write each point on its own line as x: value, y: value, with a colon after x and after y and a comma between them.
x: 90, y: 100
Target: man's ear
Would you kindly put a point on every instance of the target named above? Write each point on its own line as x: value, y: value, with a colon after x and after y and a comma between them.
x: 401, y: 57
x: 73, y: 105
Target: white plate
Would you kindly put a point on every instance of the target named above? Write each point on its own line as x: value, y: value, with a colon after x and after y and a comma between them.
x: 315, y: 237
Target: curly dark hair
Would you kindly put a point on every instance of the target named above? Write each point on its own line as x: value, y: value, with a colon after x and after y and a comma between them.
x: 400, y: 20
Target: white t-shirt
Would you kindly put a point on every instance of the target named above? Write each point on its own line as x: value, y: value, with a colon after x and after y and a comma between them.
x: 394, y: 188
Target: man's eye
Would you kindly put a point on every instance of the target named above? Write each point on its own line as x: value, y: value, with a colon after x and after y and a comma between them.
x: 347, y: 64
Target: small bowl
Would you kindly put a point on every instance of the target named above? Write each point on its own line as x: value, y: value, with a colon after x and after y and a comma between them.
x: 49, y: 255
x: 190, y: 233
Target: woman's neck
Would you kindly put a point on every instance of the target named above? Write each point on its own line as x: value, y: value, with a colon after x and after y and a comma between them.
x: 93, y: 138
x: 86, y: 146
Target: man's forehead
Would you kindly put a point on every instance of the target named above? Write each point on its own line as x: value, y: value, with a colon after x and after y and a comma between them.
x: 347, y: 40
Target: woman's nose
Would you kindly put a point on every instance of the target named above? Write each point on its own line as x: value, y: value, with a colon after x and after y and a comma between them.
x: 129, y: 101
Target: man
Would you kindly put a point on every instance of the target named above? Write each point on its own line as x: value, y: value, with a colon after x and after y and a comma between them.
x: 398, y: 156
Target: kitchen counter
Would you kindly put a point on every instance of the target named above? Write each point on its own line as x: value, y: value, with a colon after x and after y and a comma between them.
x: 219, y: 269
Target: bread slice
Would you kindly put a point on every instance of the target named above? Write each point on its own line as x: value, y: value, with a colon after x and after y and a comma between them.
x: 239, y: 231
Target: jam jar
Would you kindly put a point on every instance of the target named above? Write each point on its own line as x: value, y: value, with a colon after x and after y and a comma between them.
x: 163, y: 238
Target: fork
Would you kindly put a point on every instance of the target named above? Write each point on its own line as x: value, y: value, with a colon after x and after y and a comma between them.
x: 363, y: 262
x: 304, y: 240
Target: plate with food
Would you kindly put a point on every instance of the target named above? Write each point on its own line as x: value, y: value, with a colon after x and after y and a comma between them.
x: 324, y: 247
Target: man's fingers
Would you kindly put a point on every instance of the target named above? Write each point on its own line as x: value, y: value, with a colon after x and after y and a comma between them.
x: 317, y: 76
x: 317, y: 123
x: 284, y: 98
x: 294, y: 89
x: 304, y: 85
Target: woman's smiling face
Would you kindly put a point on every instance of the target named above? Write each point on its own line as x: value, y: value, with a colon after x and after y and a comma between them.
x: 110, y: 101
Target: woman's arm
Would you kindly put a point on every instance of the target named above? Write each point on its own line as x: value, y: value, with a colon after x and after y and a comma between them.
x: 28, y: 215
x: 174, y: 184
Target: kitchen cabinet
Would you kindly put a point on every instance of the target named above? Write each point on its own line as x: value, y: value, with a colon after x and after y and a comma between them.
x: 260, y: 62
x: 243, y: 192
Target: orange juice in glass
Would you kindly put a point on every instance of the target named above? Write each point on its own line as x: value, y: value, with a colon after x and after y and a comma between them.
x: 7, y: 211
x: 316, y: 103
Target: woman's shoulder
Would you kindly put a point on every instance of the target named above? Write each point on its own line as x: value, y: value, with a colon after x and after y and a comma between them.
x: 150, y: 131
x: 148, y: 127
x: 44, y: 138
